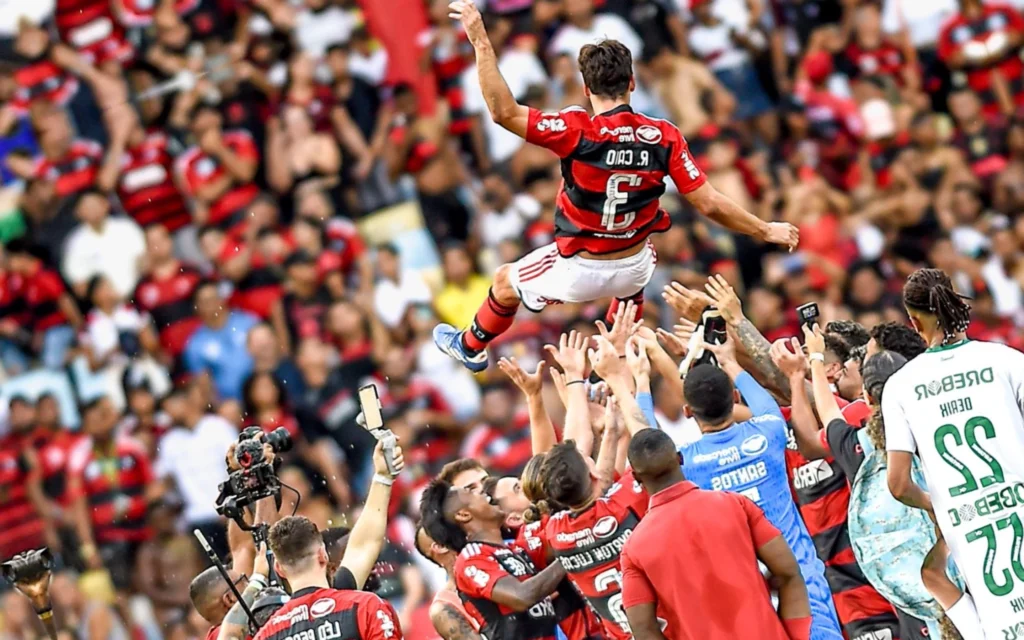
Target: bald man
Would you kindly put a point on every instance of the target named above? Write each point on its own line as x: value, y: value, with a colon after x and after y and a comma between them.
x: 718, y: 537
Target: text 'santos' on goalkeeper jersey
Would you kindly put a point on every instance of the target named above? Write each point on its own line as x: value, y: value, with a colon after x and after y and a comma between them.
x: 960, y: 407
x: 749, y: 458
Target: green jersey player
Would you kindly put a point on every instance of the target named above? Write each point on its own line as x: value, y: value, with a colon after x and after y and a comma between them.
x: 959, y: 406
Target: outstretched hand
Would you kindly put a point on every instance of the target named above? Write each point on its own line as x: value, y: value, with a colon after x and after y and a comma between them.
x: 623, y: 326
x: 789, y: 361
x: 570, y: 354
x: 529, y: 383
x: 726, y: 300
x: 466, y: 12
x: 687, y: 303
x: 605, y: 359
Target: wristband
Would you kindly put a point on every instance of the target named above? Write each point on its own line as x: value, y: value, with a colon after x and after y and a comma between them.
x: 384, y: 480
x: 798, y: 628
x: 259, y: 579
x: 581, y: 381
x: 816, y: 357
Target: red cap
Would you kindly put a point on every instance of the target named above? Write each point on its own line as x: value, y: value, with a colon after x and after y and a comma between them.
x: 696, y: 3
x: 817, y: 66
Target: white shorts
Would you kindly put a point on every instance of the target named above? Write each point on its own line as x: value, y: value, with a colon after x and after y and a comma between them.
x: 544, y: 277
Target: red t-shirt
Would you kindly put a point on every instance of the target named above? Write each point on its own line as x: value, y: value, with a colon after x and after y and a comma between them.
x: 41, y: 293
x: 73, y: 172
x: 106, y: 479
x: 709, y: 586
x: 589, y: 544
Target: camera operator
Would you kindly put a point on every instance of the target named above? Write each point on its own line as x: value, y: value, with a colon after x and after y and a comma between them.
x: 211, y: 595
x: 301, y: 558
x: 30, y: 573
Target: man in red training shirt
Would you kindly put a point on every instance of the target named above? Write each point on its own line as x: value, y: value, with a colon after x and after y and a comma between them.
x: 710, y: 585
x: 614, y: 168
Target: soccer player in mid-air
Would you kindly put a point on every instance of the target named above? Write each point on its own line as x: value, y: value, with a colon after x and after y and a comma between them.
x: 959, y: 406
x: 614, y: 167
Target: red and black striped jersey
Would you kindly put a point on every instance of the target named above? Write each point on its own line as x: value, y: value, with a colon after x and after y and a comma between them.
x: 169, y: 302
x: 614, y: 168
x: 12, y: 303
x: 822, y: 494
x: 576, y: 618
x: 53, y: 449
x: 43, y: 80
x: 21, y: 526
x: 146, y: 187
x: 114, y: 484
x: 260, y: 288
x: 589, y: 544
x: 482, y: 565
x: 73, y: 172
x: 198, y: 169
x: 316, y: 613
x: 91, y: 27
x: 41, y: 294
x: 959, y: 31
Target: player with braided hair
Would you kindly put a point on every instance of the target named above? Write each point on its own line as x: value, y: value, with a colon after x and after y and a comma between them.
x: 960, y: 407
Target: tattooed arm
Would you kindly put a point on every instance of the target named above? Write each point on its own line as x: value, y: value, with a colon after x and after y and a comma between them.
x: 754, y: 355
x: 450, y: 624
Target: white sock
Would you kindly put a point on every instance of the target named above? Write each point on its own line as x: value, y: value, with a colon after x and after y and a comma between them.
x: 965, y: 618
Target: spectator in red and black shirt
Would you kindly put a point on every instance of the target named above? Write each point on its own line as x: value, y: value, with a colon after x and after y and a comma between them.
x: 91, y: 27
x: 111, y: 482
x: 53, y: 444
x: 499, y: 585
x: 53, y: 316
x: 219, y: 171
x: 13, y: 317
x: 71, y: 164
x: 256, y: 279
x: 307, y: 300
x: 145, y: 182
x: 980, y: 46
x: 21, y: 517
x: 165, y: 293
x: 502, y: 442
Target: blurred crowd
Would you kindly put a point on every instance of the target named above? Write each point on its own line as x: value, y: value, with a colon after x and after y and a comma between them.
x: 227, y: 213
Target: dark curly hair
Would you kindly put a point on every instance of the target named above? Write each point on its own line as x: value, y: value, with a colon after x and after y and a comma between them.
x: 607, y: 68
x: 850, y: 332
x: 894, y: 336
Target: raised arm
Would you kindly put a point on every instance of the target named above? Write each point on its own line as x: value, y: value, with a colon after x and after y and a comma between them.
x: 571, y: 356
x: 367, y: 537
x: 499, y: 98
x: 824, y: 399
x: 542, y: 432
x: 805, y: 424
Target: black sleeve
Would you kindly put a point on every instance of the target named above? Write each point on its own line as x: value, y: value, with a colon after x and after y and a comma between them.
x: 344, y: 580
x: 842, y: 439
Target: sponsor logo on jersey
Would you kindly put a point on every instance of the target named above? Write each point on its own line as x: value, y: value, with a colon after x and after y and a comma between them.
x: 649, y: 134
x: 551, y: 124
x: 298, y: 614
x: 1015, y: 632
x: 479, y: 577
x: 605, y: 527
x: 754, y: 445
x: 724, y: 456
x: 691, y: 169
x: 878, y: 634
x: 387, y: 625
x: 989, y: 504
x: 322, y: 607
x: 622, y: 134
x: 954, y: 382
x: 812, y: 473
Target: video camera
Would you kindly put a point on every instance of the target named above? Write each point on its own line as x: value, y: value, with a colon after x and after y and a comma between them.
x: 28, y: 566
x: 256, y: 478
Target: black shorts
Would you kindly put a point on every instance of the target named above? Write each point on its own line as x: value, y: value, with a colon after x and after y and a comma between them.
x: 119, y: 559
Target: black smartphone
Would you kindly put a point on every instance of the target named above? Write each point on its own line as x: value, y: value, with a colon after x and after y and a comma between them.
x: 714, y: 326
x: 808, y: 313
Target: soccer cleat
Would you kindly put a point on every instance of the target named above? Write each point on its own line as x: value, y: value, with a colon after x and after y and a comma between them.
x: 449, y: 340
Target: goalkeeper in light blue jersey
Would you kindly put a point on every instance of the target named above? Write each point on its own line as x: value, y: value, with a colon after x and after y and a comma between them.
x: 749, y: 458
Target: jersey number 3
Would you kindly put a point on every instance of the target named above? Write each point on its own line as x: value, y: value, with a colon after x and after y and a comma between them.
x: 614, y: 198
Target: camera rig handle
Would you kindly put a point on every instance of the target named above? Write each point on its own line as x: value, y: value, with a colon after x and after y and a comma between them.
x: 212, y: 555
x: 260, y: 535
